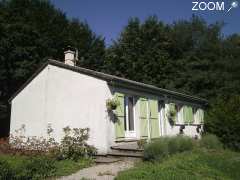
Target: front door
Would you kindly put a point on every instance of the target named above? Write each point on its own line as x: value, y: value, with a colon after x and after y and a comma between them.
x: 129, y: 125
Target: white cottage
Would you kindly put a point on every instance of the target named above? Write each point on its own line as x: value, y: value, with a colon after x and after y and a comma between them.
x: 62, y: 94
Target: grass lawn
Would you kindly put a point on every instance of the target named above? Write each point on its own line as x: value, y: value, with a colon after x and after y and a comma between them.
x: 61, y: 168
x: 197, y: 164
x: 67, y: 167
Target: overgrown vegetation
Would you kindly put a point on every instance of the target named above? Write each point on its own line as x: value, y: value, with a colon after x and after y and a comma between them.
x: 185, y: 158
x: 223, y: 119
x: 164, y: 147
x: 74, y: 144
x: 196, y: 165
x: 39, y: 167
x: 39, y: 158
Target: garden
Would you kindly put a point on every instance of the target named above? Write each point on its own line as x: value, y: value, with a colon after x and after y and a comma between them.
x: 40, y: 158
x: 185, y: 158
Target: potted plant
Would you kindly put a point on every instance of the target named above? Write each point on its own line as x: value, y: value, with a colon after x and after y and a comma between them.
x: 172, y: 113
x: 112, y: 104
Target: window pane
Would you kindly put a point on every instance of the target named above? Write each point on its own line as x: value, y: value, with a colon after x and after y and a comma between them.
x: 130, y: 114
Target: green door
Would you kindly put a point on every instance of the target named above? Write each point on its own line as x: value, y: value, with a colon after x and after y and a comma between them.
x: 143, y: 117
x: 154, y: 120
x: 120, y: 115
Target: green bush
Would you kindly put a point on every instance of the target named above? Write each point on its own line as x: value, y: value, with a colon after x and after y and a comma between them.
x: 223, y: 120
x: 180, y: 144
x: 165, y: 146
x: 6, y: 171
x: 74, y: 144
x: 156, y: 150
x: 210, y: 141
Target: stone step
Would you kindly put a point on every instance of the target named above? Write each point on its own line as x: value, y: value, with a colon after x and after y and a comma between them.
x: 126, y: 148
x: 106, y: 159
x: 125, y: 153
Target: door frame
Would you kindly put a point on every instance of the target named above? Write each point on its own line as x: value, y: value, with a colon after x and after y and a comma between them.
x: 128, y: 133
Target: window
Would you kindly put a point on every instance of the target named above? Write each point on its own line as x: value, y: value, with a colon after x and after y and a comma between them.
x: 129, y: 113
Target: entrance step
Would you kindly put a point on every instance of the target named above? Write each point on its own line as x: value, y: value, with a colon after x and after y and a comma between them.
x: 125, y: 154
x: 129, y: 149
x: 106, y: 159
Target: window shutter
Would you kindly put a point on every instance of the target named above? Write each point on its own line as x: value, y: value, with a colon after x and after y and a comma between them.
x: 201, y: 115
x: 154, y: 122
x: 143, y: 117
x: 120, y: 115
x: 188, y: 114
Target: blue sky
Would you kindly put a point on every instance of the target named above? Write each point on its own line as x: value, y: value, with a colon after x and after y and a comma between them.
x: 108, y: 17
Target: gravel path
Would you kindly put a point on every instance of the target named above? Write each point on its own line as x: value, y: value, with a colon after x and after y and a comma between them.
x: 101, y: 171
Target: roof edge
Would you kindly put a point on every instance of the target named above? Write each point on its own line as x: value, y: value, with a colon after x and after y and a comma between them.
x: 113, y: 80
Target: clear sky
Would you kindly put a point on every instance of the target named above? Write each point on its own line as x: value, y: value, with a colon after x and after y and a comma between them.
x: 108, y: 17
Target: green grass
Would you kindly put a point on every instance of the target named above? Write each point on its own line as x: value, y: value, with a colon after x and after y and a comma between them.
x: 62, y: 168
x: 194, y: 165
x: 67, y: 167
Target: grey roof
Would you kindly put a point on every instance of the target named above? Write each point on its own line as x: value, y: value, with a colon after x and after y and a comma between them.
x: 117, y: 81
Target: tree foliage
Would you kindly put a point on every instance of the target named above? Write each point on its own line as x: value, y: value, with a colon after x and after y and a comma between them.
x: 224, y: 120
x: 189, y: 56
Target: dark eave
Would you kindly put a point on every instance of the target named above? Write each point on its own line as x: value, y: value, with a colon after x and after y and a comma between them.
x: 118, y: 82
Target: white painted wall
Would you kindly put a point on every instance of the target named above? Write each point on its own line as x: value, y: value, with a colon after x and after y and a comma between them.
x: 29, y: 107
x: 63, y: 98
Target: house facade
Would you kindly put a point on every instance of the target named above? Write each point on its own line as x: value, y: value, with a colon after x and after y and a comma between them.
x: 61, y: 94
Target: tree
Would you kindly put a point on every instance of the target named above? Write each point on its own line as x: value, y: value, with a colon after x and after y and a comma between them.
x: 32, y: 31
x: 190, y: 56
x: 223, y: 119
x: 141, y: 52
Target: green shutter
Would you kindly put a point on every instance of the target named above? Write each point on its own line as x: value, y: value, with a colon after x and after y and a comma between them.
x: 188, y: 114
x: 191, y: 117
x: 120, y: 115
x: 143, y: 117
x: 154, y: 122
x: 201, y: 115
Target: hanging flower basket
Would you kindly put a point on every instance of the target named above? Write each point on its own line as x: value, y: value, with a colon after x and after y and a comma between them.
x: 171, y: 114
x: 112, y: 104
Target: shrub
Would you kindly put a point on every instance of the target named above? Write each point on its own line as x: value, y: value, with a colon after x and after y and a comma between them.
x: 210, y: 141
x: 180, y: 144
x: 156, y: 150
x: 6, y: 171
x: 74, y: 145
x: 20, y: 144
x: 223, y: 120
x: 165, y: 146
